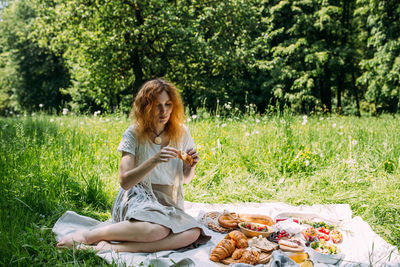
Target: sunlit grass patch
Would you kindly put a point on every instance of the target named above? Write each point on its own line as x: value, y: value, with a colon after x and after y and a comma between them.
x: 52, y: 164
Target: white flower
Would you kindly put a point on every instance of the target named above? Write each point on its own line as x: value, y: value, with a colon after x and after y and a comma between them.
x: 51, y: 120
x: 307, y: 162
x: 247, y: 134
x: 107, y: 119
x: 304, y: 122
x: 334, y: 125
x: 257, y: 120
x: 341, y: 127
x: 256, y: 132
x: 354, y: 142
x: 188, y: 119
x: 11, y: 112
x: 223, y: 125
x: 194, y: 116
x: 218, y: 144
x: 61, y: 124
x: 340, y: 133
x: 230, y: 119
x: 321, y: 119
x: 40, y: 105
x: 305, y: 117
x: 65, y: 111
x: 81, y: 122
x: 218, y: 116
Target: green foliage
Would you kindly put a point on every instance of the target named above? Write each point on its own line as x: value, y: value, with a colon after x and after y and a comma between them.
x: 309, y: 56
x: 381, y: 65
x: 30, y: 75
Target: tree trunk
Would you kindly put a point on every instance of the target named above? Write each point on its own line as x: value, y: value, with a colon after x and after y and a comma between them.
x: 353, y: 81
x: 340, y: 85
x: 325, y: 90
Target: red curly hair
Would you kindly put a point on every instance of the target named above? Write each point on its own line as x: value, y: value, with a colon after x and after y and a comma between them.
x: 144, y: 109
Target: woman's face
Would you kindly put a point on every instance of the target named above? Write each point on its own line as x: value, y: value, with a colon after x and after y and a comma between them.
x: 163, y: 109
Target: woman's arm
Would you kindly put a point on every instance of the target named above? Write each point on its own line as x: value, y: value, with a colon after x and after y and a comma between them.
x: 130, y: 174
x: 189, y: 170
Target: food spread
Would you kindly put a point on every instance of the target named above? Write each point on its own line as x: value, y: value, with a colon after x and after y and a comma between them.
x: 251, y: 242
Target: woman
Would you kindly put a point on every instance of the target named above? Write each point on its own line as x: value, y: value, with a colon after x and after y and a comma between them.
x: 148, y: 212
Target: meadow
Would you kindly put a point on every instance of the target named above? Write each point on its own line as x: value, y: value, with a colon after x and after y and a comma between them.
x: 51, y: 164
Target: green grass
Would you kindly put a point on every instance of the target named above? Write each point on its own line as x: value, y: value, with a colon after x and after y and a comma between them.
x: 52, y: 164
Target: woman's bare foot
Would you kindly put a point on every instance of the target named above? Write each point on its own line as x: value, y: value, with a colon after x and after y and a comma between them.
x: 71, y: 240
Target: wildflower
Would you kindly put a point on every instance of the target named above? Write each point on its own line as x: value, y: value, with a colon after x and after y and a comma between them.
x: 107, y: 119
x: 218, y: 144
x: 305, y: 117
x: 334, y: 125
x: 321, y: 119
x: 340, y: 133
x: 247, y: 134
x: 81, y: 122
x: 51, y: 120
x: 96, y: 113
x: 256, y: 132
x: 341, y: 127
x: 41, y: 239
x: 304, y: 122
x: 40, y: 105
x: 257, y: 120
x: 61, y: 124
x: 307, y: 162
x: 194, y: 116
x: 218, y: 116
x: 188, y: 119
x: 223, y: 125
x: 65, y: 111
x: 354, y: 142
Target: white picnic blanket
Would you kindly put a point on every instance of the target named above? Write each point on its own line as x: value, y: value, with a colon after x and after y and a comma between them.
x: 360, y: 246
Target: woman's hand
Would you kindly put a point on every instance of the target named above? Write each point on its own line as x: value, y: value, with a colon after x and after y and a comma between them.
x: 166, y: 153
x: 193, y: 153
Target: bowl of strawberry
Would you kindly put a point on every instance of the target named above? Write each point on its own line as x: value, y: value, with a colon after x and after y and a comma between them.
x: 255, y: 229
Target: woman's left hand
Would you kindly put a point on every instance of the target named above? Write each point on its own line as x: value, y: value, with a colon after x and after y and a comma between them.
x: 193, y: 153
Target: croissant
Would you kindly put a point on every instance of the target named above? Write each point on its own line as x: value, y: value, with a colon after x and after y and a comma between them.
x: 223, y: 250
x: 239, y: 238
x: 250, y: 257
x: 237, y: 254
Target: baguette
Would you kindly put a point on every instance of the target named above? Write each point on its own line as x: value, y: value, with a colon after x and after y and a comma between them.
x: 256, y: 218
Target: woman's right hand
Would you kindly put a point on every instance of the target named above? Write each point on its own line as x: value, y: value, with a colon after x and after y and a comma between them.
x: 166, y: 153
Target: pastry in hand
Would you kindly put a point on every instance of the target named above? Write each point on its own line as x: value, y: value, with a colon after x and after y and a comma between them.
x: 185, y: 157
x: 224, y: 249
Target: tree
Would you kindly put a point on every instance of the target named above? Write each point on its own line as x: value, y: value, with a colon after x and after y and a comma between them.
x: 30, y: 74
x: 381, y: 65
